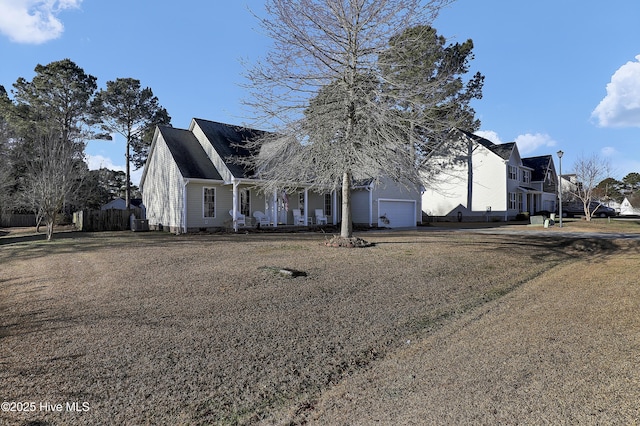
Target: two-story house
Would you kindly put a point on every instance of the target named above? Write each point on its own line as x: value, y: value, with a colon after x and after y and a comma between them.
x: 491, y: 182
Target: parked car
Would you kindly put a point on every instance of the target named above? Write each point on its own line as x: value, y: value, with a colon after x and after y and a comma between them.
x: 576, y: 208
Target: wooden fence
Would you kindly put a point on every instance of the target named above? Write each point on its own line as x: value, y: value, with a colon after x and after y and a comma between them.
x: 15, y: 220
x: 104, y: 220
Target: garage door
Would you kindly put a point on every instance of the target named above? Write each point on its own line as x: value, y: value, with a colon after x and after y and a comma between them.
x: 397, y: 213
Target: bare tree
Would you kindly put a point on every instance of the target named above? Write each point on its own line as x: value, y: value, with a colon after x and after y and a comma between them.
x: 589, y: 172
x: 329, y: 102
x: 53, y: 174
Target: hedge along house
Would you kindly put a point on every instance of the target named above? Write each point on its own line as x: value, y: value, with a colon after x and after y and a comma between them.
x: 190, y: 182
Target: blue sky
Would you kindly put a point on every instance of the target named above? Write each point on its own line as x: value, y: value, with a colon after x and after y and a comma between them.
x: 560, y: 74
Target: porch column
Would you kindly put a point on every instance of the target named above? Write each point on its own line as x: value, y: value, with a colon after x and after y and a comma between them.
x: 274, y: 208
x: 306, y: 206
x: 235, y: 204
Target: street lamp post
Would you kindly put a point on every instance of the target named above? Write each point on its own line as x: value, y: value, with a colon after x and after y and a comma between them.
x: 560, y: 154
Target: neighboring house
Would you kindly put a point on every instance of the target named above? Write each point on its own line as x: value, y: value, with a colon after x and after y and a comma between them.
x: 491, y: 182
x: 191, y: 182
x: 120, y: 204
x: 544, y: 180
x: 630, y: 206
x: 569, y: 184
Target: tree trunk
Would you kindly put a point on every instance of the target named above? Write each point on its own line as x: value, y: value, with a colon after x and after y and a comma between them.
x: 50, y: 221
x: 127, y: 200
x: 346, y: 228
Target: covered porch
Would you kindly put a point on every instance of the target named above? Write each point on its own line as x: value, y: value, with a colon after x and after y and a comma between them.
x: 530, y: 200
x: 253, y: 207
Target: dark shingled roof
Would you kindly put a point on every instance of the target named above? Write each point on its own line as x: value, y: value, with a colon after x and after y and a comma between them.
x: 188, y: 154
x: 539, y: 165
x: 503, y: 150
x: 228, y: 141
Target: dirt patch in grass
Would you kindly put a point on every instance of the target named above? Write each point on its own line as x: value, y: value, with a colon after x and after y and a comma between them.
x: 162, y: 329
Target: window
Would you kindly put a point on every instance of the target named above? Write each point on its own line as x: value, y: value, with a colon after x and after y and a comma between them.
x: 209, y: 202
x: 513, y: 172
x: 245, y: 202
x: 327, y: 204
x: 512, y: 201
x: 526, y: 176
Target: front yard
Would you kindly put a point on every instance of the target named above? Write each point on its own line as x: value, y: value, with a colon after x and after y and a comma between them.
x: 202, y: 329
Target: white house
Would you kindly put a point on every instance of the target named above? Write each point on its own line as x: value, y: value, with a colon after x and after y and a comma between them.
x: 491, y: 182
x: 191, y: 182
x: 629, y: 209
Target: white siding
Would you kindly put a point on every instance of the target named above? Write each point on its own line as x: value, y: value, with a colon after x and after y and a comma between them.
x: 162, y: 193
x: 446, y: 193
x: 489, y: 182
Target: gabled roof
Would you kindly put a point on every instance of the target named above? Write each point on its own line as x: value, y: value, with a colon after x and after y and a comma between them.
x: 540, y: 165
x: 189, y: 156
x: 229, y: 142
x: 503, y: 150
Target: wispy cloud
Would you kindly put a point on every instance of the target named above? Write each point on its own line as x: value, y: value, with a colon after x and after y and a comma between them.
x: 608, y: 151
x: 96, y: 162
x: 621, y: 106
x: 33, y: 21
x: 489, y: 135
x: 527, y: 143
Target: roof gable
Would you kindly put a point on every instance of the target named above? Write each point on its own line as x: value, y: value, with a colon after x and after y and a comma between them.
x: 540, y: 166
x: 503, y: 151
x: 189, y: 156
x: 229, y: 142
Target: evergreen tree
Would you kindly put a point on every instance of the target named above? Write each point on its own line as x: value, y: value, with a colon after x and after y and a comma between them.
x: 133, y: 112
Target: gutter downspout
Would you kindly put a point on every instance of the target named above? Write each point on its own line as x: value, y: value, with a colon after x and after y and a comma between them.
x: 334, y: 206
x: 506, y: 210
x: 370, y: 189
x: 234, y: 210
x: 184, y: 206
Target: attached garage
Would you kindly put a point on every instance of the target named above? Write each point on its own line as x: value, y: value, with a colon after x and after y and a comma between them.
x: 395, y: 213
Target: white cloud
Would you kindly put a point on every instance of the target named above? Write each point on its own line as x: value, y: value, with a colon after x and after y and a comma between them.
x: 608, y: 151
x: 529, y: 143
x: 96, y: 162
x: 33, y: 21
x: 621, y: 106
x: 489, y: 135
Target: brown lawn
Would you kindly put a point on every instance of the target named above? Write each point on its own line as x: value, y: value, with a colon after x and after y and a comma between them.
x: 424, y: 327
